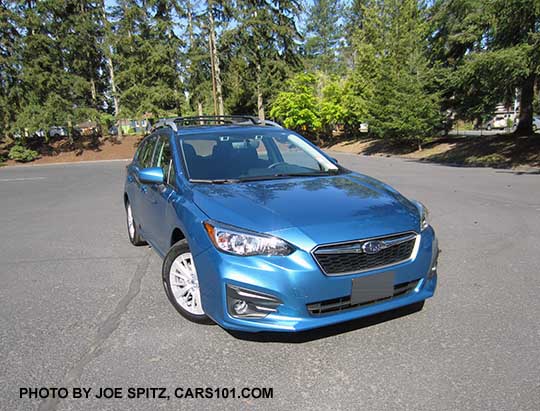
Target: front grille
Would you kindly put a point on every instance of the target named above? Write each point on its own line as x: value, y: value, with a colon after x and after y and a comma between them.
x: 344, y: 303
x: 350, y: 258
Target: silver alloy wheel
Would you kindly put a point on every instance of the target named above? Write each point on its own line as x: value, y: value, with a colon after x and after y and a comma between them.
x: 185, y: 284
x: 130, y: 222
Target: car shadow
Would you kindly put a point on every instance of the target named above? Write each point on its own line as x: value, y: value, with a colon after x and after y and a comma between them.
x: 328, y: 331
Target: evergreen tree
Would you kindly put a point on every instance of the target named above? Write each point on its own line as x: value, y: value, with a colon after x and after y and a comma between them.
x: 391, y: 74
x: 486, y: 51
x: 323, y: 36
x: 515, y: 35
x: 265, y: 40
x: 46, y: 85
x: 10, y: 62
x: 197, y: 68
x: 147, y: 58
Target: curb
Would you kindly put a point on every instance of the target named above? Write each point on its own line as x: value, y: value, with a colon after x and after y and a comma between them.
x: 66, y: 163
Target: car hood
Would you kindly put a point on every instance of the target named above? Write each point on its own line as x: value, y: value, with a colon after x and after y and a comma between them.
x: 326, y: 209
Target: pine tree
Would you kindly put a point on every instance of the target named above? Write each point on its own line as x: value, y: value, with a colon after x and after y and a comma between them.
x: 197, y: 67
x: 391, y: 71
x: 516, y: 34
x: 265, y: 40
x: 10, y: 61
x: 147, y: 58
x: 484, y: 52
x: 46, y: 85
x: 323, y: 36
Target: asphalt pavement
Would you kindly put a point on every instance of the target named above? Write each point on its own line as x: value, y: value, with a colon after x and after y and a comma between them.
x: 81, y: 307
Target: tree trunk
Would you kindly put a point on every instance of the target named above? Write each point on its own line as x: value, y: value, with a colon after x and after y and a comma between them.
x: 199, y: 108
x: 215, y: 62
x: 260, y: 105
x: 524, y: 127
x: 213, y: 73
x: 260, y: 99
x: 93, y: 91
x: 110, y: 67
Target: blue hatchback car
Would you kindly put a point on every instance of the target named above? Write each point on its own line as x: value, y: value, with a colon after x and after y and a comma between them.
x: 262, y: 231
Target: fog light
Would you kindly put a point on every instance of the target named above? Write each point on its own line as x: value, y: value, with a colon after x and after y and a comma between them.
x: 240, y: 307
x: 244, y: 303
x: 433, y: 270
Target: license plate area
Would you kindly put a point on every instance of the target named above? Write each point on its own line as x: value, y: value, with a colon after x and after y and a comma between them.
x: 372, y: 287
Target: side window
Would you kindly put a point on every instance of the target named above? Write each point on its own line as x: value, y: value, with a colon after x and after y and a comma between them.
x: 140, y: 151
x: 163, y: 158
x: 172, y: 174
x: 145, y: 157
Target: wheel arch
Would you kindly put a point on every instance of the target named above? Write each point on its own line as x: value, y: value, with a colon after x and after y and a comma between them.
x: 176, y: 235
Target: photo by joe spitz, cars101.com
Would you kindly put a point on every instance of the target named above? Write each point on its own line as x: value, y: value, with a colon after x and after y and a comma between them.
x: 260, y: 230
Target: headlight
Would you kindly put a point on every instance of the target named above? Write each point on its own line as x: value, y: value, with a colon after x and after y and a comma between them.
x: 242, y: 242
x: 424, y: 216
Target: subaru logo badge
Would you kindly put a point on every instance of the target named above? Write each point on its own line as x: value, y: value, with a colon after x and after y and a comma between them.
x: 373, y: 247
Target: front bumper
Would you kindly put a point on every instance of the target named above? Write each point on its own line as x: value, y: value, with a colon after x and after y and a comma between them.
x: 297, y: 281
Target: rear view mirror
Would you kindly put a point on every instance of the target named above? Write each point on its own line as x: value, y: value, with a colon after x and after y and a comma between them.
x: 152, y: 175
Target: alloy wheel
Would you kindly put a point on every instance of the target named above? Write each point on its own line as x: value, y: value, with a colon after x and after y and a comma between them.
x: 130, y: 222
x: 185, y: 284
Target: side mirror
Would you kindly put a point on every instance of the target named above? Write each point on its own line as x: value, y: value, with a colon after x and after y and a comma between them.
x: 152, y: 175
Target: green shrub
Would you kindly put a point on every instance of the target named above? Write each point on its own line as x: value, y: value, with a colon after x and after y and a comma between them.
x: 22, y: 154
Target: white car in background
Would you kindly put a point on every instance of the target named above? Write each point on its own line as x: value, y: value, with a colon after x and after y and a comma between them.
x: 500, y: 122
x: 57, y: 131
x: 536, y: 123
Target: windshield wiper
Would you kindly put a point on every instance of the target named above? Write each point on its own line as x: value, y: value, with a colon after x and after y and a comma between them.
x: 215, y: 181
x: 260, y: 178
x: 281, y: 176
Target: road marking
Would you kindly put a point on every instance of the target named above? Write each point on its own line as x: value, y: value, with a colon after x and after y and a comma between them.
x: 3, y: 180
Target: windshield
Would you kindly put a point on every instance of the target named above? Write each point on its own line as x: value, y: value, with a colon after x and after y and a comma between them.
x: 251, y: 155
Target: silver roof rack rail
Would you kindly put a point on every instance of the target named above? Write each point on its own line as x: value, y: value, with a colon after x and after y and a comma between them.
x: 165, y: 122
x: 178, y: 122
x: 214, y: 120
x: 272, y: 124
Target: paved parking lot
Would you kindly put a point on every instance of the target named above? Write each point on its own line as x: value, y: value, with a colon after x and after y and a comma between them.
x: 81, y: 307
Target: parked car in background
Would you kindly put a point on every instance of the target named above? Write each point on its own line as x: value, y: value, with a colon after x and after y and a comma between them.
x: 260, y: 230
x: 39, y: 133
x: 87, y: 128
x: 536, y: 123
x: 57, y: 131
x: 498, y: 122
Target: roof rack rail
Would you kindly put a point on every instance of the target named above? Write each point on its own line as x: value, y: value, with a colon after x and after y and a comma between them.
x: 223, y: 120
x: 214, y: 120
x: 176, y: 123
x: 165, y: 122
x: 272, y: 124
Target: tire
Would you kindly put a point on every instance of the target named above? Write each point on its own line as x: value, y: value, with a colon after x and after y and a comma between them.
x: 181, y: 283
x: 133, y: 232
